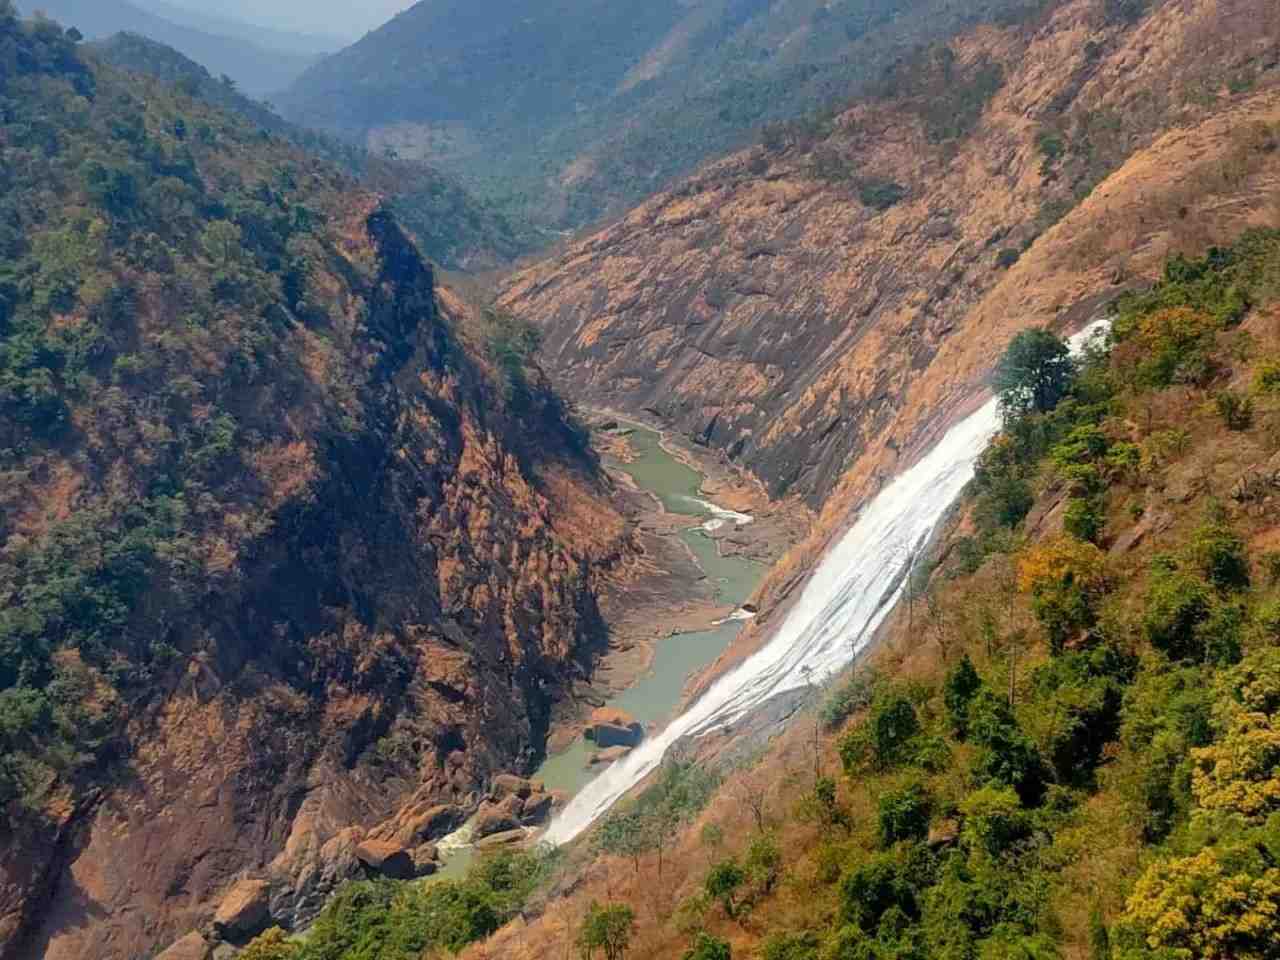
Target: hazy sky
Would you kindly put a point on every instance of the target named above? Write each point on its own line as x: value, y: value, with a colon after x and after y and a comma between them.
x: 344, y: 18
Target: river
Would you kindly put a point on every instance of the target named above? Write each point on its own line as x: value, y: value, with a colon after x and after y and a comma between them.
x: 654, y: 697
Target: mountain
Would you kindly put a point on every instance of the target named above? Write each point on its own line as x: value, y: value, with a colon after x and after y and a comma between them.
x: 808, y: 304
x: 255, y: 65
x: 224, y: 23
x: 455, y: 228
x: 575, y: 109
x: 293, y: 543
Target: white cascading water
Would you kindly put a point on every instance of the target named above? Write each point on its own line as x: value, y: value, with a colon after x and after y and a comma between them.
x: 853, y: 589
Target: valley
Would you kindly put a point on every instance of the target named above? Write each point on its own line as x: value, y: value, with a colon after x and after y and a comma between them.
x: 852, y: 539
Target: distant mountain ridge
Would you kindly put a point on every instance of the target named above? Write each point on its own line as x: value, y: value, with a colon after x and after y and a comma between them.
x: 228, y: 24
x: 253, y: 64
x: 573, y: 109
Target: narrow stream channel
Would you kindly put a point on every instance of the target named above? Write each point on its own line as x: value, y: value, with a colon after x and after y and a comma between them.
x: 653, y: 698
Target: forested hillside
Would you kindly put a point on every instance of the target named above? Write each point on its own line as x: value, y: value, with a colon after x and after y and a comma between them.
x: 457, y: 230
x: 288, y: 546
x: 572, y: 110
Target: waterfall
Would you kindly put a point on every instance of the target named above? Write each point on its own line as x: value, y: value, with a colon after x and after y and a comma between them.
x: 846, y: 599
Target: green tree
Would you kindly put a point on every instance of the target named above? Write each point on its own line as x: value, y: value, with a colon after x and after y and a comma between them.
x: 958, y: 690
x: 1006, y: 756
x: 1177, y: 604
x: 1034, y: 374
x: 722, y: 883
x: 707, y: 947
x: 607, y: 928
x: 903, y: 814
x: 763, y: 861
x: 884, y: 739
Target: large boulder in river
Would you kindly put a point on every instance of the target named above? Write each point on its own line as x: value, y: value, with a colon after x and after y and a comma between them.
x: 497, y: 817
x: 536, y: 808
x: 611, y: 727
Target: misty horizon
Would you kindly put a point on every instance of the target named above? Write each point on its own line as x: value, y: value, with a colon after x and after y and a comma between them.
x: 334, y: 18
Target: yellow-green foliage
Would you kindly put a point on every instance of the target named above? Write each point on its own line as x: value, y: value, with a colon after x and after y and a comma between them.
x: 1240, y: 772
x: 1201, y: 907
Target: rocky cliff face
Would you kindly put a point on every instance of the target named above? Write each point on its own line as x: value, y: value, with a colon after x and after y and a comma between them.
x: 814, y: 305
x: 295, y: 554
x: 397, y: 639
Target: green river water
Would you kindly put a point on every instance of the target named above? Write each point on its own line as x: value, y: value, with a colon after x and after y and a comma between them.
x: 654, y: 697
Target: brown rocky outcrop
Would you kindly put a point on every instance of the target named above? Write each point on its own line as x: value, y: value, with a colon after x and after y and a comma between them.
x: 610, y: 755
x: 498, y: 817
x: 387, y: 859
x: 244, y: 910
x: 191, y: 947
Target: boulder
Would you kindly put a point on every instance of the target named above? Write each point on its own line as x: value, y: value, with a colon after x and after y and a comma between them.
x: 506, y: 784
x: 501, y: 839
x: 426, y: 860
x: 244, y: 911
x: 498, y: 817
x: 611, y: 727
x: 191, y: 947
x: 225, y: 951
x: 536, y: 808
x: 417, y: 826
x: 387, y: 858
x: 611, y: 755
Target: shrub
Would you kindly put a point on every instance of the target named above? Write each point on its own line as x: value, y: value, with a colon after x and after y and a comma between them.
x: 763, y: 861
x: 722, y: 883
x: 1006, y: 756
x: 1267, y: 377
x: 1004, y: 502
x: 1083, y: 519
x: 1219, y: 555
x: 707, y: 947
x: 1235, y: 410
x: 1007, y: 257
x: 873, y: 887
x: 880, y: 194
x: 1177, y: 603
x: 994, y: 820
x: 791, y: 946
x: 607, y: 928
x: 883, y: 740
x: 853, y: 695
x: 903, y: 814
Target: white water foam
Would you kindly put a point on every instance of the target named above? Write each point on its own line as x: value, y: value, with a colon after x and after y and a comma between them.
x: 847, y: 597
x: 720, y: 515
